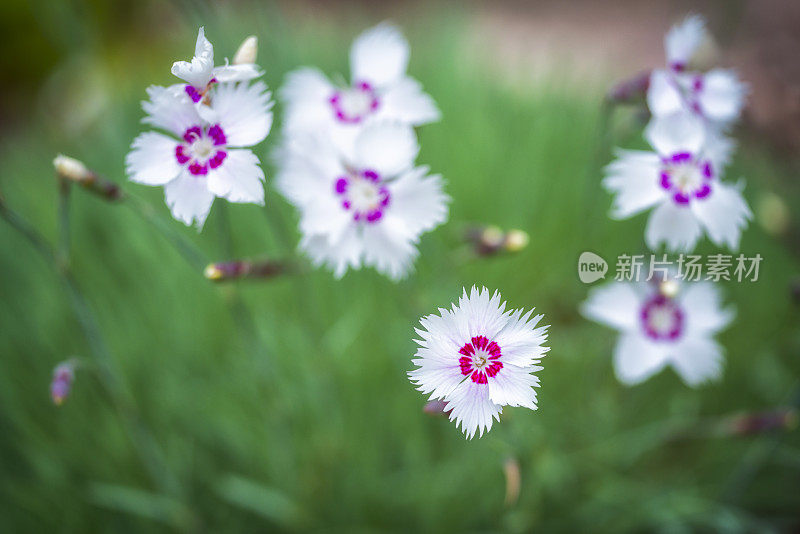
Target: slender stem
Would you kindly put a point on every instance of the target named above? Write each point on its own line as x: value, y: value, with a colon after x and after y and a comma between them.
x: 64, y: 249
x: 144, y: 444
x: 190, y: 252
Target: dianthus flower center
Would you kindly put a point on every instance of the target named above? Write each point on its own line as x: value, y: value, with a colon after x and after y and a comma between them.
x: 202, y: 149
x: 662, y: 318
x: 686, y: 177
x: 363, y: 194
x: 352, y: 104
x: 480, y: 358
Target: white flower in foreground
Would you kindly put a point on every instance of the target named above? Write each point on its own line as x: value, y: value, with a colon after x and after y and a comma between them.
x: 661, y: 324
x: 201, y: 160
x: 681, y: 179
x: 379, y: 89
x: 478, y: 357
x: 716, y: 96
x: 370, y: 209
x: 200, y: 73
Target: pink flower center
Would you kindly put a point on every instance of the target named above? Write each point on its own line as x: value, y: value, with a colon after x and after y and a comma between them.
x: 363, y: 194
x: 352, y: 104
x: 662, y: 319
x: 480, y: 358
x: 686, y: 177
x: 202, y: 148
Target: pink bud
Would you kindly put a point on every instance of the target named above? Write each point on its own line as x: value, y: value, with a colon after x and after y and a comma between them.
x: 63, y: 375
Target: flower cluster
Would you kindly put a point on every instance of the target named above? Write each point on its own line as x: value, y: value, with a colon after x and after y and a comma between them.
x: 208, y: 121
x: 681, y: 178
x: 667, y: 322
x: 347, y: 160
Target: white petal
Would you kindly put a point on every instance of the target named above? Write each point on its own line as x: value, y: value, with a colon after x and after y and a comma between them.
x: 203, y: 47
x: 419, y: 200
x: 307, y: 165
x: 405, y: 101
x: 199, y: 71
x: 636, y: 358
x: 189, y: 199
x: 472, y: 409
x: 379, y: 55
x: 389, y: 247
x: 634, y: 179
x: 724, y: 213
x: 616, y: 304
x: 677, y: 226
x: 701, y: 303
x: 238, y: 179
x: 676, y: 132
x: 521, y: 343
x: 169, y: 108
x: 663, y: 95
x: 387, y: 148
x: 305, y: 94
x: 697, y: 360
x: 513, y: 386
x: 722, y: 96
x: 151, y: 160
x: 236, y: 73
x: 345, y: 253
x: 243, y: 112
x: 683, y: 39
x: 719, y: 147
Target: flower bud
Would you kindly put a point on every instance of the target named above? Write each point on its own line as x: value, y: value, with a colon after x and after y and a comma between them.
x: 760, y: 422
x: 772, y: 214
x: 490, y: 240
x: 232, y: 270
x: 516, y: 240
x: 73, y: 171
x: 435, y: 407
x: 60, y: 386
x: 630, y: 90
x: 246, y: 55
x: 513, y: 480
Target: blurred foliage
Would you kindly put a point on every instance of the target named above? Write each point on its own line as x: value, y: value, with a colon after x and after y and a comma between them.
x: 317, y: 426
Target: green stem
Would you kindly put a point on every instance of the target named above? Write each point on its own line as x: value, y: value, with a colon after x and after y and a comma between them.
x: 144, y: 443
x: 190, y: 252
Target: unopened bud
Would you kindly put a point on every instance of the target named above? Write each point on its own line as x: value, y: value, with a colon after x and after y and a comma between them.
x: 73, y: 171
x: 61, y: 384
x: 760, y: 422
x: 490, y: 240
x: 772, y: 214
x: 435, y: 407
x: 513, y: 480
x: 516, y: 240
x: 669, y: 287
x: 246, y: 55
x: 232, y: 270
x: 630, y: 90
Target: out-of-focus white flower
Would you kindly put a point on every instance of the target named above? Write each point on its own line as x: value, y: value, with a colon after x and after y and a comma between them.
x: 379, y: 89
x: 681, y: 179
x: 203, y: 159
x: 716, y: 96
x: 659, y: 327
x: 200, y: 73
x: 478, y: 357
x: 369, y: 209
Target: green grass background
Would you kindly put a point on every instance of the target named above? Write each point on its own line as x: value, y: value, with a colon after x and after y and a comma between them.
x: 313, y: 425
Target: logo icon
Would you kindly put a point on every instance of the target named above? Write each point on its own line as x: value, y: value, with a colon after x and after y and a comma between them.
x: 591, y: 267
